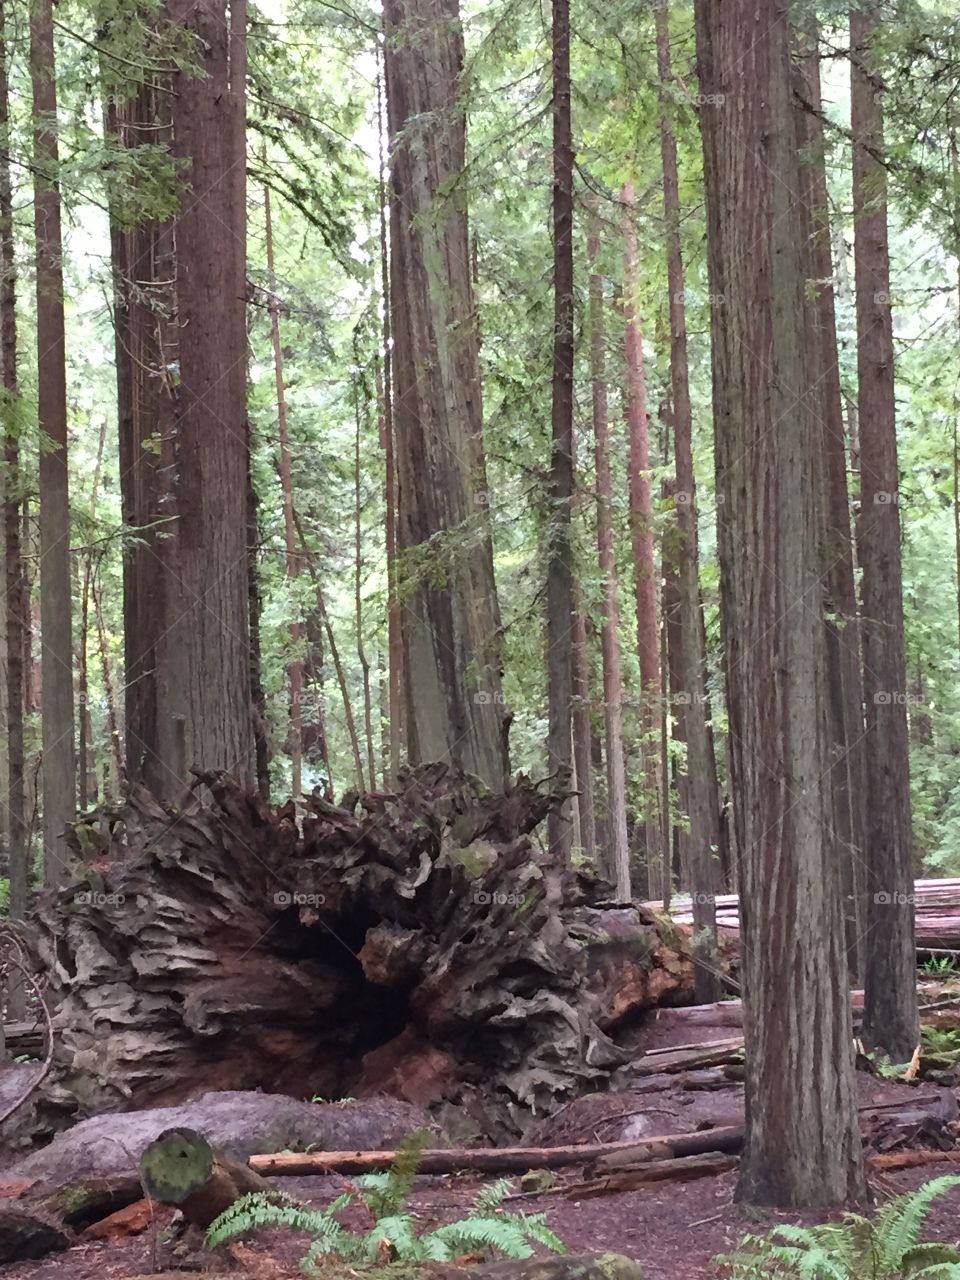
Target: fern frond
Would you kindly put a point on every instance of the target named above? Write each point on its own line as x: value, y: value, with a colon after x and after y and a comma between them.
x: 490, y: 1197
x: 899, y: 1223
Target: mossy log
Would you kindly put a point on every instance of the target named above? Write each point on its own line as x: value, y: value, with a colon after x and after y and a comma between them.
x: 181, y: 1168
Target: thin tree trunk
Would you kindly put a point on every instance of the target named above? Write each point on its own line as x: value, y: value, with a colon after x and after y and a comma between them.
x: 641, y: 522
x: 803, y: 1142
x: 15, y: 597
x: 83, y: 673
x: 701, y: 790
x: 59, y: 761
x: 334, y: 655
x: 387, y: 442
x: 618, y: 852
x: 261, y: 738
x: 890, y: 1017
x: 560, y: 489
x: 585, y: 807
x: 358, y: 595
x: 843, y: 624
x: 113, y: 720
x: 295, y: 667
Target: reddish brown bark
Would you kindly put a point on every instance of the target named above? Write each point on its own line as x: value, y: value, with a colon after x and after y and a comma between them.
x: 561, y: 478
x: 15, y: 600
x: 59, y: 761
x: 641, y: 523
x: 295, y: 666
x: 802, y: 1140
x: 617, y: 849
x: 891, y: 1021
x: 843, y: 624
x: 209, y: 701
x: 701, y: 796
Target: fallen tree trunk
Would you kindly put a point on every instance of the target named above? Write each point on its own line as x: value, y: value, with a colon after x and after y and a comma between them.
x: 180, y: 1168
x: 683, y: 1169
x: 416, y: 943
x: 936, y: 905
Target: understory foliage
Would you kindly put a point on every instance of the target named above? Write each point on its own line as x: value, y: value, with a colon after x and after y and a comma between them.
x: 395, y: 1234
x: 886, y: 1246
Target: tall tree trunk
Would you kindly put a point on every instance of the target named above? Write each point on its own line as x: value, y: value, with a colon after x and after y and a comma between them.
x: 295, y: 667
x: 15, y: 598
x: 261, y: 737
x: 802, y: 1136
x: 146, y: 352
x: 210, y: 700
x: 357, y: 589
x: 843, y: 624
x: 83, y: 673
x: 585, y: 809
x: 617, y: 852
x: 701, y: 790
x: 641, y: 523
x: 559, y: 525
x: 890, y: 1018
x: 59, y: 762
x: 451, y: 624
x: 387, y: 443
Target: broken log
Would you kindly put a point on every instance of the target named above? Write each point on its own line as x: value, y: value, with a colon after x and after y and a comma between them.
x: 891, y: 1161
x: 223, y: 947
x: 180, y: 1168
x: 683, y: 1169
x: 502, y: 1160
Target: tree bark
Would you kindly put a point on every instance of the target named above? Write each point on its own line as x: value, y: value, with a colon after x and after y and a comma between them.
x: 843, y: 624
x: 617, y: 850
x: 209, y: 699
x: 59, y: 760
x: 891, y: 1021
x: 295, y: 666
x: 641, y: 522
x: 582, y: 730
x: 451, y: 621
x: 802, y: 1139
x: 561, y: 480
x: 701, y: 793
x: 16, y: 603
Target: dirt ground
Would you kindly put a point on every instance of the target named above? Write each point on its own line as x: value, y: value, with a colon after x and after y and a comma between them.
x: 673, y: 1231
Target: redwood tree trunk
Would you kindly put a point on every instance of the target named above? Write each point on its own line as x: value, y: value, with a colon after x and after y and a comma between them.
x: 146, y: 352
x: 15, y: 598
x: 843, y: 624
x: 890, y: 1018
x: 641, y: 521
x: 59, y: 763
x: 560, y: 487
x: 617, y: 848
x: 451, y: 620
x: 802, y: 1137
x: 209, y: 697
x: 701, y: 790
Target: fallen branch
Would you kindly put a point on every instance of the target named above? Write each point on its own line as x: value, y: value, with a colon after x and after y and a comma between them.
x: 684, y: 1169
x: 890, y: 1161
x: 500, y: 1160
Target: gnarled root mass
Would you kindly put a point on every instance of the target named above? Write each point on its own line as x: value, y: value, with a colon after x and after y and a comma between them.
x: 417, y: 943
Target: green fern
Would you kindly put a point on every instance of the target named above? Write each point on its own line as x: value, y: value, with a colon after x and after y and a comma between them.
x: 487, y: 1228
x: 885, y: 1247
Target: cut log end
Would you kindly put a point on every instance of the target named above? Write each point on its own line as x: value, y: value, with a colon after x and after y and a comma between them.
x: 181, y: 1168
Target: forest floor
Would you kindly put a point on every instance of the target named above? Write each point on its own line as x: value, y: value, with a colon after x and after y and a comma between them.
x: 672, y: 1230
